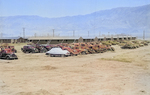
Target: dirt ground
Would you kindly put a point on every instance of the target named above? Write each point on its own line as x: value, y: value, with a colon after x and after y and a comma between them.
x: 123, y: 72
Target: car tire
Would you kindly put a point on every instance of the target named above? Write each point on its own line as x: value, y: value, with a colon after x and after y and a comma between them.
x: 83, y: 53
x: 51, y: 55
x: 8, y: 58
x: 62, y: 55
x: 33, y: 51
x: 24, y: 51
x: 15, y: 51
x: 27, y: 51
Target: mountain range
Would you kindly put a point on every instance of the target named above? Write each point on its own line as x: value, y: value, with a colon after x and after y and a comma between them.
x: 122, y: 20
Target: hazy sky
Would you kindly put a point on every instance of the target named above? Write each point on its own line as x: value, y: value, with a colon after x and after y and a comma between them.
x: 60, y: 8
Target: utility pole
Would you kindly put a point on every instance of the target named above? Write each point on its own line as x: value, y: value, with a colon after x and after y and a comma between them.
x: 73, y: 33
x: 48, y: 34
x: 53, y: 32
x: 1, y: 38
x: 108, y: 33
x: 143, y: 35
x: 23, y: 32
x: 35, y: 34
x: 1, y: 35
x: 99, y: 34
x: 88, y: 33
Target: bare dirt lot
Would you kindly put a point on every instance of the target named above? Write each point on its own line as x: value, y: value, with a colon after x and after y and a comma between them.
x: 123, y: 72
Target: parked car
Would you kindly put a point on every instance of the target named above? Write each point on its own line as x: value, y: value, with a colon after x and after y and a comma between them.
x: 40, y: 48
x: 10, y: 47
x: 29, y: 49
x: 48, y: 47
x: 7, y: 54
x: 58, y: 52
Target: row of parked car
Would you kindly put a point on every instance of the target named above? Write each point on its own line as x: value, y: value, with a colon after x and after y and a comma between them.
x: 66, y: 49
x: 72, y: 49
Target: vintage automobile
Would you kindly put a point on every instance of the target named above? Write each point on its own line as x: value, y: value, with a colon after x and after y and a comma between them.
x: 40, y: 48
x: 54, y: 52
x: 29, y: 49
x: 10, y: 47
x: 7, y: 54
x: 129, y: 46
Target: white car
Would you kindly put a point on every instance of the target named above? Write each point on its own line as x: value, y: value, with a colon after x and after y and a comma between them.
x: 58, y: 52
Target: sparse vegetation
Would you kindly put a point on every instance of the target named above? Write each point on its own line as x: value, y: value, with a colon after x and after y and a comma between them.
x: 33, y: 71
x: 118, y: 59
